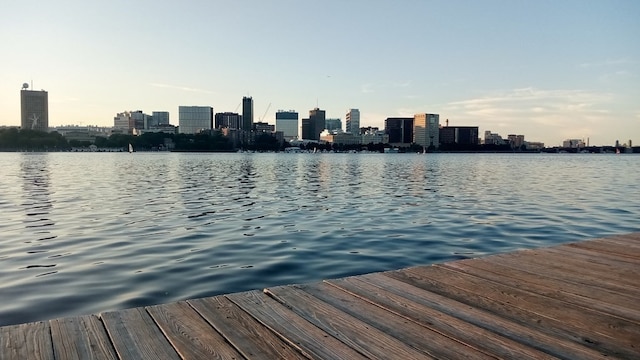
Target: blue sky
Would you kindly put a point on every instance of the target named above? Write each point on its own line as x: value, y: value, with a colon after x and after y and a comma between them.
x: 550, y: 70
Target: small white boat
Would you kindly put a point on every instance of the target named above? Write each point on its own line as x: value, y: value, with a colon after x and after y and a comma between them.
x: 130, y: 148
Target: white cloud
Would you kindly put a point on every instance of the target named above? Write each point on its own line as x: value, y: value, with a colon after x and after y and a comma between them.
x: 183, y: 88
x: 548, y: 115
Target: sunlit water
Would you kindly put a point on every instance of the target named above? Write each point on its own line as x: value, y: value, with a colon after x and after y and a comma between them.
x: 83, y: 233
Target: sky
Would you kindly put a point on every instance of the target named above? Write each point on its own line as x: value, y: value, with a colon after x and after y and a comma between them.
x: 550, y: 70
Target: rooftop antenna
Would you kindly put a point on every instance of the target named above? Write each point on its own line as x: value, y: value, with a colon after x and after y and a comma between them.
x: 25, y: 86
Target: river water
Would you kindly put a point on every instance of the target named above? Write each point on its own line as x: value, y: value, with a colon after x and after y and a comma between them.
x: 83, y: 233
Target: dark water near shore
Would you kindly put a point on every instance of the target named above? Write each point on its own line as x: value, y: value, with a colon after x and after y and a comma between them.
x: 91, y: 232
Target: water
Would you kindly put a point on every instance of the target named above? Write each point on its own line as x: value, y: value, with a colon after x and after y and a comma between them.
x: 89, y: 232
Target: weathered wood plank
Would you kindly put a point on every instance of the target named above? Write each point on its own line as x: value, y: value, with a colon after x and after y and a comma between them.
x: 608, y: 334
x: 292, y: 328
x: 606, y: 248
x: 26, y: 341
x: 569, y: 250
x: 623, y: 273
x: 135, y: 336
x: 578, y: 274
x: 386, y: 284
x: 252, y: 339
x: 433, y: 340
x: 361, y: 336
x: 81, y: 337
x: 455, y: 328
x: 628, y: 240
x: 191, y: 336
x: 589, y: 297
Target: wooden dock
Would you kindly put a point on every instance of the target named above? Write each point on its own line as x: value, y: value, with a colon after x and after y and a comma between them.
x: 574, y: 301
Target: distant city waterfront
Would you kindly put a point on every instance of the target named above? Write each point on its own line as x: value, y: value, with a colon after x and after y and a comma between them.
x: 90, y: 232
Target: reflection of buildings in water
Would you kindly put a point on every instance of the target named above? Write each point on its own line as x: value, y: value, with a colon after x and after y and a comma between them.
x: 36, y: 193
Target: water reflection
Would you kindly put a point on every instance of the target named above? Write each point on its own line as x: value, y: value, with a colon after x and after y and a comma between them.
x: 36, y: 194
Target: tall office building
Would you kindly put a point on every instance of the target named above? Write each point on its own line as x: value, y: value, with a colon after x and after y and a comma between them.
x: 317, y: 119
x: 247, y: 113
x: 287, y: 122
x: 461, y: 135
x: 426, y: 130
x: 141, y: 120
x: 34, y: 109
x: 229, y: 120
x: 332, y: 125
x: 160, y: 117
x: 195, y: 119
x: 400, y: 130
x: 353, y: 121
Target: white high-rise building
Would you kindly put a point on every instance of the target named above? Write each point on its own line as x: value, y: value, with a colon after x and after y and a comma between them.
x: 287, y: 122
x: 195, y: 119
x: 353, y: 121
x: 426, y: 130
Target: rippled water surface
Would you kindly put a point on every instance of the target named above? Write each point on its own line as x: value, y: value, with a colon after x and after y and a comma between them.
x: 83, y: 233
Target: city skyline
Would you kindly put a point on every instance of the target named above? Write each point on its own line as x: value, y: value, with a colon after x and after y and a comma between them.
x: 551, y: 71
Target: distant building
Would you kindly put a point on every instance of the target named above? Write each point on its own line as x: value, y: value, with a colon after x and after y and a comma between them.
x: 400, y: 130
x: 314, y: 125
x: 426, y: 130
x: 492, y: 138
x: 333, y: 124
x: 287, y: 122
x: 141, y: 120
x: 160, y: 117
x: 123, y: 123
x: 534, y: 145
x: 228, y: 120
x: 373, y: 135
x: 247, y: 113
x: 352, y: 119
x: 574, y: 143
x: 195, y: 119
x: 516, y: 141
x: 34, y: 107
x: 263, y: 127
x: 340, y: 138
x: 82, y: 133
x: 461, y: 135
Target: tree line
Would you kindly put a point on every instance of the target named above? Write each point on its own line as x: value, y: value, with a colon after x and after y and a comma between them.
x: 15, y: 139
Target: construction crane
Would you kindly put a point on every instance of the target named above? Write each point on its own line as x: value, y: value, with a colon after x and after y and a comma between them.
x: 237, y: 107
x: 265, y: 112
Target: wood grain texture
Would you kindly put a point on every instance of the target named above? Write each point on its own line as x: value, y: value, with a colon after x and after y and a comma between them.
x: 575, y: 273
x: 428, y: 338
x: 252, y: 339
x: 190, y: 335
x: 454, y: 328
x: 608, y: 334
x: 361, y: 336
x: 81, y: 337
x: 289, y: 326
x: 26, y: 341
x: 602, y: 246
x: 593, y: 297
x: 402, y: 284
x: 135, y: 335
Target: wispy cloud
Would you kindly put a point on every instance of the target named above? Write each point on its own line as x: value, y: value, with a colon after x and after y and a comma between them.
x: 367, y: 88
x: 536, y: 112
x: 182, y: 88
x: 402, y: 84
x: 607, y: 62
